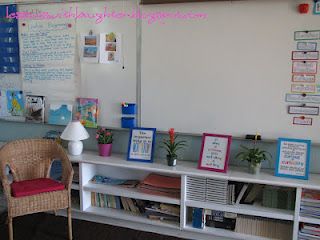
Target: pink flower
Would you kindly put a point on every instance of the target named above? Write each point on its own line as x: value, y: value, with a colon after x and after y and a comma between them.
x: 97, y: 136
x: 108, y: 133
x: 171, y: 134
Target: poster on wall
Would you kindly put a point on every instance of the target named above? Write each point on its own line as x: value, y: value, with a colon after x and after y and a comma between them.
x: 214, y: 155
x: 293, y: 158
x: 89, y: 48
x: 110, y: 47
x: 141, y: 144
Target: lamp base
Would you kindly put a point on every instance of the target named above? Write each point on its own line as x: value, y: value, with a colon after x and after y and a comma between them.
x: 75, y: 147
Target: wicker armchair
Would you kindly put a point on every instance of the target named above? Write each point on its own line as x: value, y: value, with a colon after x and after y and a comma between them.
x: 31, y: 159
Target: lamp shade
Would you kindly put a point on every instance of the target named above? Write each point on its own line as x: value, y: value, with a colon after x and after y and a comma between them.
x: 74, y: 132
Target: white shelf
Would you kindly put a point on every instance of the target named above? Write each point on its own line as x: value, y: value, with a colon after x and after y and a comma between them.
x: 128, y: 216
x: 223, y: 233
x: 128, y: 192
x: 75, y: 186
x: 309, y: 220
x: 189, y: 168
x: 252, y: 210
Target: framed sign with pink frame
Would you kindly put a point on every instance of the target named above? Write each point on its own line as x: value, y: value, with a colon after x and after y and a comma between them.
x: 214, y: 154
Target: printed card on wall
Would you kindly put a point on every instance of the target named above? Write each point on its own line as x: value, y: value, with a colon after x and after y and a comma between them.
x: 35, y: 108
x: 306, y: 110
x: 3, y: 104
x: 141, y: 144
x: 309, y: 67
x: 307, y: 35
x: 89, y: 48
x: 293, y: 158
x: 15, y: 104
x: 305, y: 55
x: 87, y: 112
x: 306, y: 121
x: 303, y: 88
x: 303, y: 78
x: 60, y: 114
x: 215, y: 151
x: 110, y: 47
x: 303, y: 98
x: 307, y: 46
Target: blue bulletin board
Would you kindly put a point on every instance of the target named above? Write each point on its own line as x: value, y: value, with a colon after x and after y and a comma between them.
x: 9, y: 41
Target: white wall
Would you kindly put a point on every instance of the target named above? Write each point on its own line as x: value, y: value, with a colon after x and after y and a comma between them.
x: 227, y: 74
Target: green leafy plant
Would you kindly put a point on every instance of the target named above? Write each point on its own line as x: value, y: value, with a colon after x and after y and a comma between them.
x: 104, y: 136
x: 253, y: 155
x: 171, y: 145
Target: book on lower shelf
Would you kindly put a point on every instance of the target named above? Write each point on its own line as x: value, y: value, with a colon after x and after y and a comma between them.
x: 149, y: 209
x: 309, y: 231
x: 263, y: 227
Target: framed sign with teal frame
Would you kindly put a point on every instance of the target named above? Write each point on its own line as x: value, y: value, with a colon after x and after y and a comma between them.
x: 293, y: 158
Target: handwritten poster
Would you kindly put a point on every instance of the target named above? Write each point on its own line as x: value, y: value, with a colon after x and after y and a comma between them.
x: 48, y: 58
x: 47, y: 50
x: 141, y: 144
x: 293, y: 158
x: 304, y: 67
x: 215, y: 152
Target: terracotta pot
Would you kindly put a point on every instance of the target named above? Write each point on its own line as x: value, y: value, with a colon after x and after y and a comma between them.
x: 105, y: 149
x: 303, y: 8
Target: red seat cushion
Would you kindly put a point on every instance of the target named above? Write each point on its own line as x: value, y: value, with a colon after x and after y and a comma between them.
x: 35, y: 186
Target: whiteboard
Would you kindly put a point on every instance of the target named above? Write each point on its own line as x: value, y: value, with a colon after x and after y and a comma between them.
x: 110, y: 83
x: 227, y: 74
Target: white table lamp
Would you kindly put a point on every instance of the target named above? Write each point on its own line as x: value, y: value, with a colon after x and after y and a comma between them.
x: 74, y: 133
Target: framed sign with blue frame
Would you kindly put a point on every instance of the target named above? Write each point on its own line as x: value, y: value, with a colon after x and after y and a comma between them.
x: 141, y: 144
x: 293, y: 158
x: 9, y: 42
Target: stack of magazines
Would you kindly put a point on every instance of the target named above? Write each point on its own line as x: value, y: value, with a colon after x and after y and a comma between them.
x: 310, y: 203
x: 161, y: 185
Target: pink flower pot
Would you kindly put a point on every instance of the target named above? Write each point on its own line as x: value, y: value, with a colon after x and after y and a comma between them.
x: 105, y: 149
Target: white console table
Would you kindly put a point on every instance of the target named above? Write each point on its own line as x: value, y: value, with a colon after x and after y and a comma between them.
x: 116, y: 166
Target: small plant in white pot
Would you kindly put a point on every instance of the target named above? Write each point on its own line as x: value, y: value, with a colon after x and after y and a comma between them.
x: 254, y: 156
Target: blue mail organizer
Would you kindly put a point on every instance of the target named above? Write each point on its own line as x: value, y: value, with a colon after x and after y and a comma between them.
x: 128, y: 122
x: 129, y: 108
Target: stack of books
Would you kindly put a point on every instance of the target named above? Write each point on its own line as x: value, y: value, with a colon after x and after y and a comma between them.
x: 75, y: 167
x: 161, y: 185
x: 162, y: 212
x: 309, y: 232
x: 278, y: 197
x: 220, y: 219
x: 98, y: 179
x: 263, y: 227
x: 310, y: 204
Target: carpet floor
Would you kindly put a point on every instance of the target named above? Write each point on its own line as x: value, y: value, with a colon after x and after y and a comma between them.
x: 43, y: 226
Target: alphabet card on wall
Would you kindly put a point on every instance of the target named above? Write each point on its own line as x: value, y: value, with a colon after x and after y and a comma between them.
x: 214, y: 153
x: 293, y: 158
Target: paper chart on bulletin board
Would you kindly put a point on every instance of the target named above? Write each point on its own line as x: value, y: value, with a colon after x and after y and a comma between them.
x: 48, y: 58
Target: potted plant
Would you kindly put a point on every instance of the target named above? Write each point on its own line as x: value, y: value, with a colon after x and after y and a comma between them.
x: 104, y: 138
x: 172, y: 146
x: 254, y: 156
